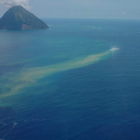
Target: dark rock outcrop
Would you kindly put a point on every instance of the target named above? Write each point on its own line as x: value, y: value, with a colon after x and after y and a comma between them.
x: 18, y: 18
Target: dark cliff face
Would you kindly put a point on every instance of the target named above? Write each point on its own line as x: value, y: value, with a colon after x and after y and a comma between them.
x: 18, y: 18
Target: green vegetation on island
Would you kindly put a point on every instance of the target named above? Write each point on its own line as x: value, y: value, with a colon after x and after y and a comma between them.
x: 18, y: 18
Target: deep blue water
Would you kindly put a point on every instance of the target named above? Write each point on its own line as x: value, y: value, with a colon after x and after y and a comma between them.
x: 65, y: 83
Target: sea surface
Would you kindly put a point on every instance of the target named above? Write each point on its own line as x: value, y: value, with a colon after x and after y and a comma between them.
x: 78, y: 80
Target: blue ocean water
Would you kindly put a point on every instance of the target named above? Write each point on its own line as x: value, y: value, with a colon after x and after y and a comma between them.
x: 79, y: 80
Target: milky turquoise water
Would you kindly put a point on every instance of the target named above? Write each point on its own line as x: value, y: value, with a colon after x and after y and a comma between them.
x: 77, y: 80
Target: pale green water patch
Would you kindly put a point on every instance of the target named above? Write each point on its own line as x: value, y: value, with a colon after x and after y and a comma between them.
x: 29, y: 76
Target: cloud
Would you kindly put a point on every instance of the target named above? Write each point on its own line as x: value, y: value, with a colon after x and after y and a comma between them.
x: 10, y: 3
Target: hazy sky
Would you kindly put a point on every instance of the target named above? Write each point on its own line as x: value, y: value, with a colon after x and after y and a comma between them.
x: 128, y: 9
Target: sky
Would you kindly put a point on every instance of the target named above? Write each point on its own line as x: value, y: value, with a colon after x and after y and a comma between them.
x: 107, y: 9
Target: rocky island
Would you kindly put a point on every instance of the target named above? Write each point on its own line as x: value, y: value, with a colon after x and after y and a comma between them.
x: 18, y: 18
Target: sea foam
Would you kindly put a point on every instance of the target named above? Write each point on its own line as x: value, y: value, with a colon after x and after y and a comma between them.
x: 114, y: 49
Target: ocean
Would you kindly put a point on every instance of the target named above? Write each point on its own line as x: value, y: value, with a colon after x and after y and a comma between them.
x: 78, y: 80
